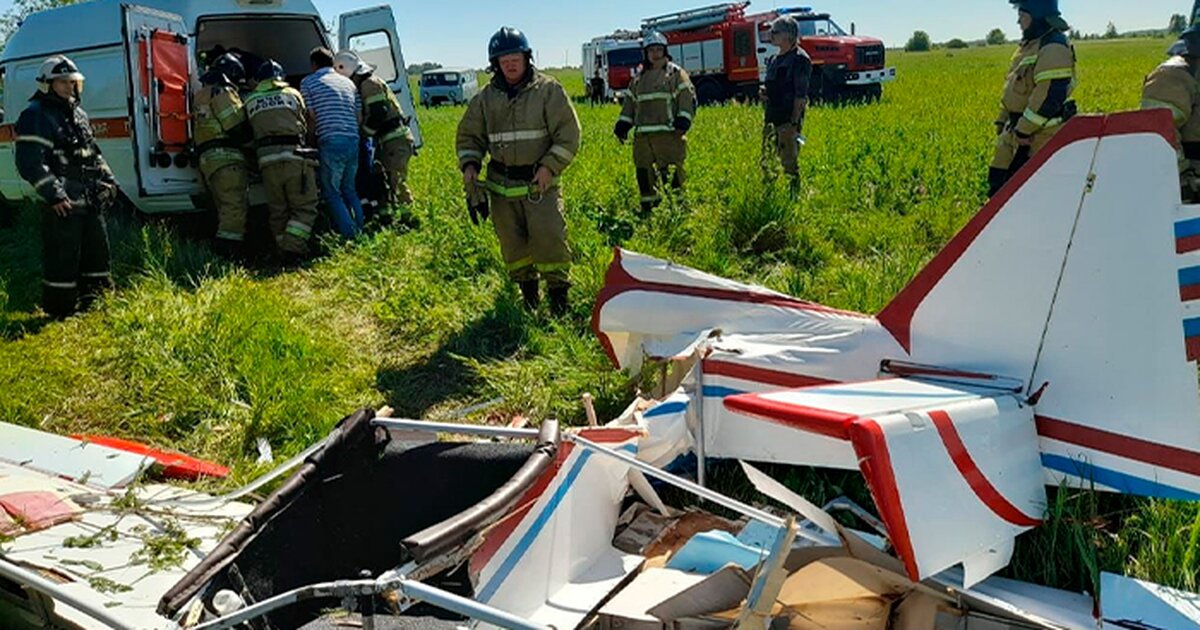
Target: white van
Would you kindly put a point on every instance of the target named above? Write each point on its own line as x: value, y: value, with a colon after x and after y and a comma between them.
x: 139, y: 60
x: 448, y: 86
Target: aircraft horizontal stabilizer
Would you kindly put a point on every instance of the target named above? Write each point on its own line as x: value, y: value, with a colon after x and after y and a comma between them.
x: 954, y: 472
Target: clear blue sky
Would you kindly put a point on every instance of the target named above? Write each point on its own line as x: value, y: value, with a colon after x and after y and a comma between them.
x: 455, y: 33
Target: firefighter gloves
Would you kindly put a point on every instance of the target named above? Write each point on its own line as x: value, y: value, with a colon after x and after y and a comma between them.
x: 622, y: 129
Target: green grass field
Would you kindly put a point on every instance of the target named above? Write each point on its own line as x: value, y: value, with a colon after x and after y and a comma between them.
x: 197, y: 355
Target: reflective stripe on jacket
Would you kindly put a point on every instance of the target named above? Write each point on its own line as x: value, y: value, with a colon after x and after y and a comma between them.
x: 537, y: 125
x: 56, y: 151
x: 219, y: 111
x: 383, y: 118
x: 276, y: 111
x: 1038, y: 65
x: 657, y: 97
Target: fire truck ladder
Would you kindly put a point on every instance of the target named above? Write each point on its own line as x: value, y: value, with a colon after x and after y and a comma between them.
x: 693, y: 19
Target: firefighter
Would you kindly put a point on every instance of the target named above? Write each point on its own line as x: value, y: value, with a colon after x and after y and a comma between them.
x: 57, y: 154
x: 658, y: 109
x: 385, y: 122
x: 277, y: 117
x: 524, y: 120
x: 221, y: 129
x: 1173, y: 86
x: 1036, y: 100
x: 785, y: 96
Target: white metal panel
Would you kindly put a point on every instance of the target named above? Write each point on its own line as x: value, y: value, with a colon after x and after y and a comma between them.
x: 68, y: 458
x: 382, y: 19
x: 954, y: 491
x: 1009, y: 275
x: 1115, y: 353
x: 559, y: 561
x: 713, y: 51
x: 690, y: 57
x: 872, y: 398
x: 1130, y: 603
x: 111, y: 559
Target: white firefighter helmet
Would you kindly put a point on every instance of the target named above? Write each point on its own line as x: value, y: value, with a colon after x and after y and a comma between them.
x: 58, y: 67
x: 347, y: 63
x: 654, y: 38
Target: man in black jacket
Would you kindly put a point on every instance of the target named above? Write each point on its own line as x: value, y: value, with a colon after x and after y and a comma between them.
x: 785, y: 94
x: 57, y: 154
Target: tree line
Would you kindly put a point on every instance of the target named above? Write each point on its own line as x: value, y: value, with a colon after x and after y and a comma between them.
x: 921, y: 42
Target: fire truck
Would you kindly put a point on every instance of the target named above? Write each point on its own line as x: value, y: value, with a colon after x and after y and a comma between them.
x: 726, y: 50
x: 609, y: 63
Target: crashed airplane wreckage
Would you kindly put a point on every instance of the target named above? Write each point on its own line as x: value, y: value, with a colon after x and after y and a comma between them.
x: 1006, y: 365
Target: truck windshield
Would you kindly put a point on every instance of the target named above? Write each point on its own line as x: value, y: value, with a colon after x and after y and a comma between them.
x: 441, y: 79
x: 625, y: 57
x: 286, y: 40
x: 820, y: 28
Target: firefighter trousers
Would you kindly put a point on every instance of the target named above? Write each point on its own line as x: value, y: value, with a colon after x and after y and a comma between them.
x: 75, y: 261
x: 291, y: 188
x: 659, y: 159
x: 229, y: 186
x: 533, y: 234
x: 1010, y: 155
x: 395, y: 156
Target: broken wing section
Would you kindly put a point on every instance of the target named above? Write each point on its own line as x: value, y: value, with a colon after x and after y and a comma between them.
x: 954, y: 472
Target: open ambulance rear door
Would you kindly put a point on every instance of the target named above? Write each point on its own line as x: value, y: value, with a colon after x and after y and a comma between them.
x: 160, y: 70
x: 372, y: 34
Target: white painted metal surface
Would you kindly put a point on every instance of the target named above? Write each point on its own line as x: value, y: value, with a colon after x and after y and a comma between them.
x: 968, y: 479
x: 105, y: 566
x: 60, y: 456
x: 955, y: 474
x: 559, y: 562
x: 1129, y: 603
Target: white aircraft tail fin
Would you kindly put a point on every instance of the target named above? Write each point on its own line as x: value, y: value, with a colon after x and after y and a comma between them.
x: 1083, y: 275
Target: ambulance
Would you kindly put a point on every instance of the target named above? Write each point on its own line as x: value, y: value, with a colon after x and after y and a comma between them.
x: 140, y: 60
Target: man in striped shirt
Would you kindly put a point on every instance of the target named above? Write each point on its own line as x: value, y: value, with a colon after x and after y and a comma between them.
x: 334, y: 105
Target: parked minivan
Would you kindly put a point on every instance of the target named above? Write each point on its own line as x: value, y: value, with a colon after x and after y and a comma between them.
x: 448, y: 86
x: 140, y: 59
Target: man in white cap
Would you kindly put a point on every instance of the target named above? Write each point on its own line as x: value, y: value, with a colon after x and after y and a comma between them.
x: 384, y: 121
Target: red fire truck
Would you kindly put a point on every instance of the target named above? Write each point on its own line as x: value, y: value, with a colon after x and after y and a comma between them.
x: 726, y: 51
x: 609, y: 63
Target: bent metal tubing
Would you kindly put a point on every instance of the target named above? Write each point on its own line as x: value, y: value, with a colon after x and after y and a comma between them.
x: 356, y: 588
x: 657, y: 473
x: 40, y: 584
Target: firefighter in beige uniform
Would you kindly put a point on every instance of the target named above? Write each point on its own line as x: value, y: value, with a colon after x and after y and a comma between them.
x: 221, y: 129
x: 525, y: 121
x: 659, y: 109
x: 1035, y: 103
x: 383, y: 120
x: 1173, y: 86
x: 277, y: 116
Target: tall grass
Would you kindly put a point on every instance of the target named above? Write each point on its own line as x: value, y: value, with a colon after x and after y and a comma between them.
x: 194, y: 354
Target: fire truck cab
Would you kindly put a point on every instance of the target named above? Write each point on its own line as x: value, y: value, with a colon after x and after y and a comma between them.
x: 727, y: 51
x: 609, y: 63
x: 845, y: 66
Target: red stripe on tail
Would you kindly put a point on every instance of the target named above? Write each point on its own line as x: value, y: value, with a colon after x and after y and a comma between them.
x: 970, y: 471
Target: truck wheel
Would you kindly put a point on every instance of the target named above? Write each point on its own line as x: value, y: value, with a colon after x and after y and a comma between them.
x: 873, y: 93
x: 709, y: 92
